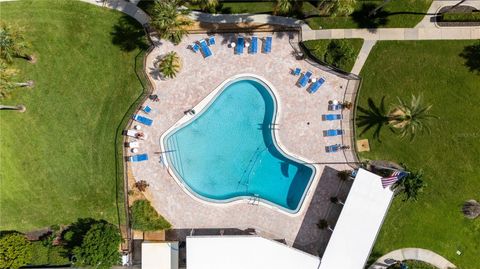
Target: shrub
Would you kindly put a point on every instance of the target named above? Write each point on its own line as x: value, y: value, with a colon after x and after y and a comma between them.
x: 339, y: 53
x: 15, y: 251
x: 99, y: 247
x: 141, y: 185
x: 47, y: 255
x: 461, y: 17
x: 145, y: 218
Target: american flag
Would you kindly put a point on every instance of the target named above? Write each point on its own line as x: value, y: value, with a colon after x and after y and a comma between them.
x: 394, y: 177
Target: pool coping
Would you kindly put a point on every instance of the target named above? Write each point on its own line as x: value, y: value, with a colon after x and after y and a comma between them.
x: 204, y: 103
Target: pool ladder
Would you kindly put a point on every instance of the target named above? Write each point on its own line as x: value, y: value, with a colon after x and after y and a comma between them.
x: 254, y: 200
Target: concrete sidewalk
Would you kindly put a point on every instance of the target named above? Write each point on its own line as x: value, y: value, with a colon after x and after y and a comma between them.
x: 418, y: 254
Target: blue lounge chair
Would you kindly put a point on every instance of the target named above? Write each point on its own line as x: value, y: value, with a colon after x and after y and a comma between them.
x: 304, y: 79
x: 138, y: 158
x: 268, y: 45
x: 332, y: 117
x: 240, y: 45
x: 333, y: 132
x: 297, y: 71
x: 211, y: 40
x: 315, y: 86
x: 194, y: 47
x: 254, y: 45
x: 332, y: 148
x: 334, y: 107
x: 147, y: 109
x: 205, y: 49
x: 143, y: 119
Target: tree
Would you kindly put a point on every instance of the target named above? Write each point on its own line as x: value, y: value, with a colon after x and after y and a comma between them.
x: 169, y: 65
x: 336, y: 200
x: 7, y: 83
x: 15, y: 251
x: 170, y: 20
x: 12, y: 42
x: 323, y: 224
x: 337, y: 7
x: 471, y: 209
x: 411, y: 185
x: 410, y: 118
x: 145, y: 218
x: 339, y: 52
x: 206, y: 5
x: 99, y: 246
x: 283, y: 7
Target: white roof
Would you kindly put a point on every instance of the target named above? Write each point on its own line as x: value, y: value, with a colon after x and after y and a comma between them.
x: 160, y: 255
x: 242, y: 252
x: 359, y: 222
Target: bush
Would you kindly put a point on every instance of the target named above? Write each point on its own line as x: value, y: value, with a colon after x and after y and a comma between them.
x: 339, y: 53
x: 15, y: 250
x: 99, y: 247
x: 461, y: 17
x: 145, y: 218
x: 47, y: 255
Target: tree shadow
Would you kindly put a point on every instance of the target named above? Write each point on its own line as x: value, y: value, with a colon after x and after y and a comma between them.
x: 73, y: 236
x: 471, y: 54
x: 363, y: 18
x: 128, y: 34
x: 373, y: 117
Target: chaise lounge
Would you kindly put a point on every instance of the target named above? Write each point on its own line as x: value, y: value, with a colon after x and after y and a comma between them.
x: 332, y: 132
x: 138, y: 158
x: 332, y: 148
x: 240, y: 45
x: 315, y: 86
x: 330, y: 117
x: 254, y: 45
x: 143, y: 120
x: 268, y: 45
x: 304, y: 79
x: 205, y: 49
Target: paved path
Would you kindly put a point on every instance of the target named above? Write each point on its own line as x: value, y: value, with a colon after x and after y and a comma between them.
x: 128, y: 8
x: 363, y: 55
x: 418, y: 254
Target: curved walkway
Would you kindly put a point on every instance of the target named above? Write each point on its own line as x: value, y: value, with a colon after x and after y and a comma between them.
x: 418, y: 254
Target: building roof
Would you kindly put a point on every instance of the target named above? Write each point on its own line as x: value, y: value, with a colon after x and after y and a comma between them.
x: 240, y: 252
x: 160, y: 255
x: 359, y: 223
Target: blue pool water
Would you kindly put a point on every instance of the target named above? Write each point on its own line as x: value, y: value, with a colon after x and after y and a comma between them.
x: 228, y: 150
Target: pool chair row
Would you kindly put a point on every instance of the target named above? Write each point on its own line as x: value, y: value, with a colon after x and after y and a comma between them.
x: 203, y: 46
x: 307, y: 77
x: 251, y: 46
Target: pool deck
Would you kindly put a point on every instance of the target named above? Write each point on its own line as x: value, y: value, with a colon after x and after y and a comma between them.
x: 299, y: 133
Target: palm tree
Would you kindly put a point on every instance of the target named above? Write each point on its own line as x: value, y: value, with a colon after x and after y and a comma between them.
x: 7, y: 83
x: 169, y: 65
x: 411, y: 185
x: 206, y: 5
x: 336, y: 200
x: 471, y: 209
x: 410, y: 118
x: 343, y: 7
x: 170, y: 20
x: 12, y: 43
x: 283, y: 7
x: 323, y: 224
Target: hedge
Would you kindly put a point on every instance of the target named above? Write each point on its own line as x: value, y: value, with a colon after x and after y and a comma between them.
x: 461, y: 17
x: 145, y: 218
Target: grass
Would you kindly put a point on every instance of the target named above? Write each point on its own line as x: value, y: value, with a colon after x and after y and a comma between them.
x: 145, y: 218
x: 60, y: 159
x: 319, y: 48
x: 464, y: 17
x: 398, y: 13
x: 448, y: 156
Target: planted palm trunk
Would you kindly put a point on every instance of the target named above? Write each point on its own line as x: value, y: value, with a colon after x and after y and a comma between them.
x: 19, y: 108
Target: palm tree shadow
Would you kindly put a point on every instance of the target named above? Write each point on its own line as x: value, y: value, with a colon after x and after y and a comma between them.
x: 363, y: 18
x: 128, y: 34
x: 471, y: 54
x: 373, y: 117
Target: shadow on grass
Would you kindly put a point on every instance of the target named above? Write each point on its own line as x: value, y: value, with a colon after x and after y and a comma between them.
x: 128, y: 34
x: 471, y: 54
x: 362, y: 18
x: 372, y: 117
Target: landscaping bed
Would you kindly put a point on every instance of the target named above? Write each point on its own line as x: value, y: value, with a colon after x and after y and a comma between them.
x: 447, y: 75
x: 459, y: 16
x: 340, y: 53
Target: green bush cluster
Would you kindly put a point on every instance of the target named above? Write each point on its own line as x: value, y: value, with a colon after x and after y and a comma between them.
x: 145, y: 218
x: 461, y: 17
x: 43, y: 255
x: 15, y: 250
x: 340, y: 53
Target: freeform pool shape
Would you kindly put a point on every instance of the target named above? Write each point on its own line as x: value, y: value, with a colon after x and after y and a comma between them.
x: 228, y: 151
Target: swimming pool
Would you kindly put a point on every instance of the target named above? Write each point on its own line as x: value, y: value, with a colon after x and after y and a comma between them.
x: 227, y: 151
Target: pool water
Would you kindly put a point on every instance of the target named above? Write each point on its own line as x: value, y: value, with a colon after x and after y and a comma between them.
x: 228, y: 151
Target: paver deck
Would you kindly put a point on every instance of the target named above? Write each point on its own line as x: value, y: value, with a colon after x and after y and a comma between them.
x: 299, y: 133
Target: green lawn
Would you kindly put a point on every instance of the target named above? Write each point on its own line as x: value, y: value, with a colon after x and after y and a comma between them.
x: 319, y: 47
x: 59, y: 159
x: 397, y: 13
x: 449, y: 156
